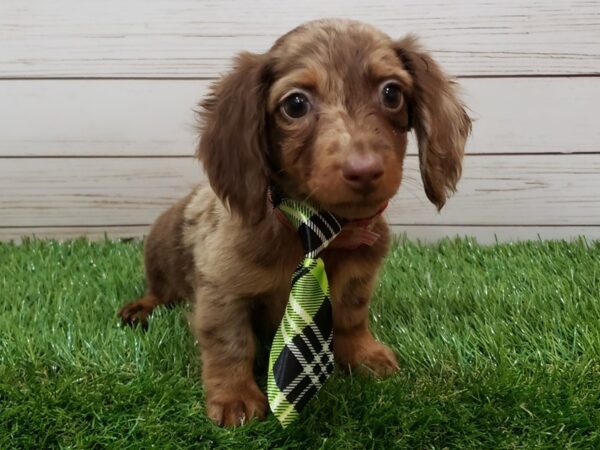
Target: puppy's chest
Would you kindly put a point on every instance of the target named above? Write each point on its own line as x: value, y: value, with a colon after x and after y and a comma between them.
x: 274, y: 280
x: 274, y: 285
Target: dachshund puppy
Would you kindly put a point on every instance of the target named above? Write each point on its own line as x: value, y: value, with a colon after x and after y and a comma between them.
x: 323, y: 116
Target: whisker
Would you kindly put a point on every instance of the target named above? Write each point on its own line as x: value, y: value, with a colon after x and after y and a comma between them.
x: 310, y: 194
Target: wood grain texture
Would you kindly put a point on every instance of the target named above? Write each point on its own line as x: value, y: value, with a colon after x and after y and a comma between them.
x: 187, y: 38
x: 526, y: 190
x: 424, y: 233
x: 155, y: 117
x: 98, y: 118
x: 88, y: 145
x: 91, y: 192
x: 509, y: 190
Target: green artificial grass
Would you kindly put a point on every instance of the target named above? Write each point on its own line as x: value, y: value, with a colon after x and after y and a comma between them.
x: 499, y: 348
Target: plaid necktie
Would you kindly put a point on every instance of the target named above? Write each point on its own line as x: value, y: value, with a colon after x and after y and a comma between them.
x: 301, y: 357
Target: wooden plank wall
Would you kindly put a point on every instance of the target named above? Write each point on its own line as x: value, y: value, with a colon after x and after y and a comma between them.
x: 97, y: 98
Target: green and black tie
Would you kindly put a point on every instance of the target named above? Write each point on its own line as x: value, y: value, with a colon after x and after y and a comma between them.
x: 301, y: 357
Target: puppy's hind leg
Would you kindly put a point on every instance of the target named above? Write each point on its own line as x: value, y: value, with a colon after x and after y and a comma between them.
x: 159, y: 293
x: 166, y: 262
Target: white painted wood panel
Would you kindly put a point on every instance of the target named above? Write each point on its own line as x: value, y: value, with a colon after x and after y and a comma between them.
x: 98, y: 118
x: 120, y: 80
x: 504, y: 190
x: 63, y: 233
x: 91, y: 191
x: 155, y: 117
x: 424, y: 233
x: 509, y: 190
x: 189, y: 38
x: 495, y: 233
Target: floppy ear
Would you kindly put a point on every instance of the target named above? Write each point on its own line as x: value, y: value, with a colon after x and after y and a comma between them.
x: 233, y: 144
x: 440, y: 121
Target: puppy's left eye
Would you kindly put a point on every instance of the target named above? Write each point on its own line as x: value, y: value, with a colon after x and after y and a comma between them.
x: 391, y: 96
x: 296, y: 105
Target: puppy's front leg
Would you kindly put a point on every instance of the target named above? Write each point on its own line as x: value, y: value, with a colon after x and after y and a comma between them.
x: 223, y: 328
x: 353, y: 344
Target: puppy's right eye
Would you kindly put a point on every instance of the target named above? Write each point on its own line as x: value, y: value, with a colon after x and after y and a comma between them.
x: 296, y: 105
x: 391, y: 96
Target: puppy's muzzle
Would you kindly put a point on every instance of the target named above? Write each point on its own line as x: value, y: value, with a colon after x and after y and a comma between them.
x: 362, y: 173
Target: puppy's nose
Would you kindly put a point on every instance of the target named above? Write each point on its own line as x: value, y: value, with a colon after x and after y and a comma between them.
x: 362, y: 172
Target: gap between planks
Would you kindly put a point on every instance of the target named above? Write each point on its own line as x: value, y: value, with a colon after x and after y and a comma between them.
x: 179, y: 78
x: 188, y: 156
x: 423, y: 233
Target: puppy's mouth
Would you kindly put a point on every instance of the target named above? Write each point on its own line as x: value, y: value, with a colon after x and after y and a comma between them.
x: 353, y: 205
x: 358, y: 210
x: 352, y: 200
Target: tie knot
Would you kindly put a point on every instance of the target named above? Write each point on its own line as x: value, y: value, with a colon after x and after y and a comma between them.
x: 316, y: 228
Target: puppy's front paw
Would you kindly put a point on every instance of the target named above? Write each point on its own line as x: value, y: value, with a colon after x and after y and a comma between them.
x: 235, y: 405
x: 366, y: 355
x: 380, y: 360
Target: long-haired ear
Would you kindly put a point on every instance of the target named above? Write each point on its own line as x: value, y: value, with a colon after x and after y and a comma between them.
x: 233, y: 143
x: 440, y: 121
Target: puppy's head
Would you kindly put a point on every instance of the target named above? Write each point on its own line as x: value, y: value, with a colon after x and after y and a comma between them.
x: 324, y: 115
